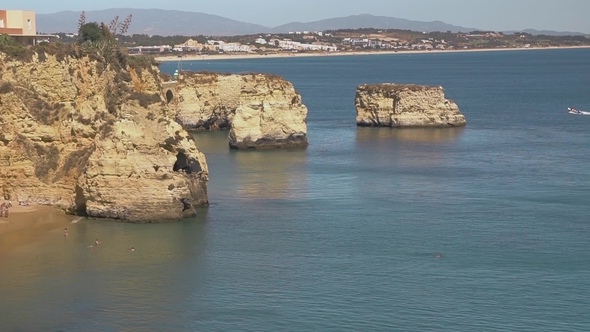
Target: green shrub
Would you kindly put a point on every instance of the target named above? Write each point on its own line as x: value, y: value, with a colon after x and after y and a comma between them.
x: 59, y: 50
x: 165, y: 77
x: 140, y: 62
x: 145, y: 99
x: 100, y: 68
x: 123, y: 76
x: 17, y: 52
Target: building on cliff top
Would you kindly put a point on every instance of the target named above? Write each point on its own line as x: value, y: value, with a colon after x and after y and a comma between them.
x: 20, y: 24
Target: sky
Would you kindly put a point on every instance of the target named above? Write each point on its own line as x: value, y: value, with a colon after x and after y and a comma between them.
x: 561, y: 15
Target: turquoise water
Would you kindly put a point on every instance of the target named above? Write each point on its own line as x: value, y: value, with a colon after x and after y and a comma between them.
x: 342, y: 236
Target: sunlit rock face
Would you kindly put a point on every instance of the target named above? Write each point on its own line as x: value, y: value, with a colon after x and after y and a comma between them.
x: 405, y: 105
x: 95, y: 139
x: 261, y: 111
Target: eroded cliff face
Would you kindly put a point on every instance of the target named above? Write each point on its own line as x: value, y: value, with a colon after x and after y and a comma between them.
x: 405, y: 105
x: 261, y: 111
x: 94, y: 139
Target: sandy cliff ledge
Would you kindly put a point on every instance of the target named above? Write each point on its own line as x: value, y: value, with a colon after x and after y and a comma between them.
x: 405, y: 105
x: 95, y: 137
x: 261, y: 111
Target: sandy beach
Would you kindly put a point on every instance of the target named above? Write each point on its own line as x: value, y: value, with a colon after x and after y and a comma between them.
x: 26, y: 223
x: 172, y: 58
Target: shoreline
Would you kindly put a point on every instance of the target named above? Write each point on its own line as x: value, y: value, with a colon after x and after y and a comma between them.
x: 27, y: 223
x: 173, y: 58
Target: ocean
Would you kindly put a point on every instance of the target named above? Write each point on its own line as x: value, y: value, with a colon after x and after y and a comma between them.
x: 343, y: 236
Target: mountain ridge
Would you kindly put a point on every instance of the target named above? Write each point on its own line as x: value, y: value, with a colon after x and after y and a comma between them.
x: 167, y: 22
x: 366, y: 20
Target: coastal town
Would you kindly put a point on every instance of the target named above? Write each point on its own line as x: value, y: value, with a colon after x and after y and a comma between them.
x: 337, y: 41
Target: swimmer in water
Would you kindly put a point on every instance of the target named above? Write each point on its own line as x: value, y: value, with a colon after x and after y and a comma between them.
x: 132, y: 249
x: 97, y: 242
x: 438, y: 256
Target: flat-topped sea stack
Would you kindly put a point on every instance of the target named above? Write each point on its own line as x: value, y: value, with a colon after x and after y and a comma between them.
x: 95, y: 137
x: 405, y: 105
x: 261, y: 111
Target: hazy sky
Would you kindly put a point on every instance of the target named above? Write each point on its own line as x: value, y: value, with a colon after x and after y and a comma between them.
x: 571, y: 15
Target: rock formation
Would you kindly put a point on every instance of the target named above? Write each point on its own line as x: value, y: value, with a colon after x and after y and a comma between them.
x: 96, y: 138
x: 261, y: 111
x: 405, y: 105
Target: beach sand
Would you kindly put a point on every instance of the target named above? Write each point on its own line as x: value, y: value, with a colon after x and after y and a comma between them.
x: 172, y: 58
x: 27, y: 223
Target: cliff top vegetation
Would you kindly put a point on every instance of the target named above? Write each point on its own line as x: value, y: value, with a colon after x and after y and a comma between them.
x: 209, y: 76
x: 98, y: 41
x: 394, y: 87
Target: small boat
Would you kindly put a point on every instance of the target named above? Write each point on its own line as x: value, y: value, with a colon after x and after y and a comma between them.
x: 572, y: 110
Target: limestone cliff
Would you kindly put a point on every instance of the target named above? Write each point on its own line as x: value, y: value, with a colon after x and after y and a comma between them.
x: 405, y: 105
x: 261, y: 111
x: 96, y: 138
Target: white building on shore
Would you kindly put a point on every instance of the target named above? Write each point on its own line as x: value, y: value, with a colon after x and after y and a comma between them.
x: 288, y: 44
x: 234, y: 47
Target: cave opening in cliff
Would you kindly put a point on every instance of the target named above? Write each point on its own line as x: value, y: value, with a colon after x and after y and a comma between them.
x: 80, y: 202
x: 186, y: 205
x: 169, y: 96
x: 186, y: 164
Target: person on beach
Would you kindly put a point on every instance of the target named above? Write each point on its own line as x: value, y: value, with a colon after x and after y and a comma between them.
x: 66, y: 231
x: 97, y: 242
x: 132, y: 249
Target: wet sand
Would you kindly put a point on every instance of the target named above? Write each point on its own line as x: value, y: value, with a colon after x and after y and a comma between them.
x: 169, y: 58
x: 27, y: 223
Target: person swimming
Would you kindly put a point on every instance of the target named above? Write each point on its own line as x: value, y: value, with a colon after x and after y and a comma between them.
x: 438, y: 256
x: 97, y: 242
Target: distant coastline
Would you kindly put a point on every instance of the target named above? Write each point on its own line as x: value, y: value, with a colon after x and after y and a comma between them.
x: 174, y: 58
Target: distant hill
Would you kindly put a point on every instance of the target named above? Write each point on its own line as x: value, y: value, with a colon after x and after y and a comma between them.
x: 548, y: 32
x: 173, y: 22
x: 152, y: 22
x: 370, y: 21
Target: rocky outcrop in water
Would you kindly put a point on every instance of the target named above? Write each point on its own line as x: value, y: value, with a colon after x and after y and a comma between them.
x: 405, y: 105
x: 261, y: 111
x: 95, y: 138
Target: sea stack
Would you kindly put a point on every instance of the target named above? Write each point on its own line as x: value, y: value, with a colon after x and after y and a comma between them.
x: 405, y: 105
x: 261, y: 111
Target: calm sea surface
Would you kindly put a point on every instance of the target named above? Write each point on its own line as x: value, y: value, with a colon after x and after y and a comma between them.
x: 342, y: 236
